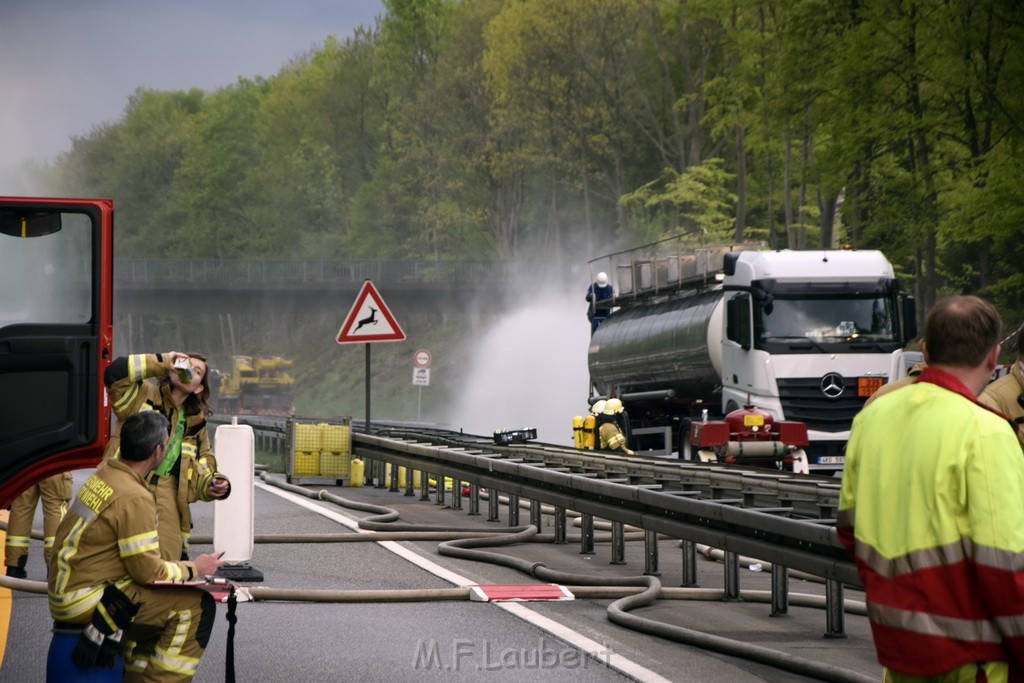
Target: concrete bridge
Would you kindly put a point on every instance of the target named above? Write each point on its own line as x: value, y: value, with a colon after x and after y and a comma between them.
x: 242, y: 286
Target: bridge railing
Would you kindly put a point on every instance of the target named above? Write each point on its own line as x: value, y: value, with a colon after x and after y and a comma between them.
x: 284, y: 271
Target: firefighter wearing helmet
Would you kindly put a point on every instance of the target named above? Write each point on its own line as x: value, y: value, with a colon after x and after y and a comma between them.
x: 600, y: 290
x: 611, y: 434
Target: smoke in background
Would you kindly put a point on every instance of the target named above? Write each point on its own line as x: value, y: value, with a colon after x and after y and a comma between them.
x: 530, y: 370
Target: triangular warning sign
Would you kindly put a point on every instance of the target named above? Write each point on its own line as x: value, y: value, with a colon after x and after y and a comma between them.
x: 369, y: 320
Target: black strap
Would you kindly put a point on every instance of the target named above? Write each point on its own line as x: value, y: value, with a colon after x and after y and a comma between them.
x: 229, y: 659
x: 67, y: 627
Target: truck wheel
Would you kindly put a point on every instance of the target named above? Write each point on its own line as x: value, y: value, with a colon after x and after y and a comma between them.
x: 685, y: 451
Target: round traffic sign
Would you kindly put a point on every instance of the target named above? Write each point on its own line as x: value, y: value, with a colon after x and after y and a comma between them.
x: 421, y: 358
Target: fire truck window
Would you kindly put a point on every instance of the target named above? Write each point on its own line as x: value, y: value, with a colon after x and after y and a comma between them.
x: 45, y: 268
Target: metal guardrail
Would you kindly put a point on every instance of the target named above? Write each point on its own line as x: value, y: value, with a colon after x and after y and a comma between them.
x: 668, y: 503
x: 807, y: 546
x: 312, y: 271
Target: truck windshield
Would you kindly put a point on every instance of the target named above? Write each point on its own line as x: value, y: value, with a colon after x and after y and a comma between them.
x: 850, y: 320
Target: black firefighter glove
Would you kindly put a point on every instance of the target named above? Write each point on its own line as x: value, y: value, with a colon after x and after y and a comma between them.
x: 100, y: 641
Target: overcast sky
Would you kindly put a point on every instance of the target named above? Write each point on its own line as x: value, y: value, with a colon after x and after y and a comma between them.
x: 69, y: 65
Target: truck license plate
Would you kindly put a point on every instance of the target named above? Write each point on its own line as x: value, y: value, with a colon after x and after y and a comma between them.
x: 867, y: 386
x: 831, y: 460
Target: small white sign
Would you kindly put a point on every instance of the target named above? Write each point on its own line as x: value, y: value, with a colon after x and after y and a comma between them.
x: 421, y: 377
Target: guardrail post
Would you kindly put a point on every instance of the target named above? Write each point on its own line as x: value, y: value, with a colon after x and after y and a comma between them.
x: 586, y: 533
x: 394, y: 479
x: 474, y: 499
x: 689, y: 563
x: 732, y: 575
x: 456, y: 494
x: 835, y: 626
x: 439, y: 489
x: 536, y: 517
x: 492, y: 505
x: 618, y: 543
x: 513, y: 509
x: 410, y: 476
x: 379, y: 478
x: 651, y: 553
x: 424, y: 485
x: 780, y: 591
x: 559, y: 526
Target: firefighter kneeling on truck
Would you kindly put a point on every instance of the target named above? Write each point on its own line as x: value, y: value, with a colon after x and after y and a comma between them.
x: 612, y: 438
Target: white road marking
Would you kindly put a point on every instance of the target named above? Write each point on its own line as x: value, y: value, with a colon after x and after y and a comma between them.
x: 584, y: 644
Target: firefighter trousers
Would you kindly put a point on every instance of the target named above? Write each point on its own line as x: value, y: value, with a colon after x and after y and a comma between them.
x: 169, y: 634
x: 56, y: 494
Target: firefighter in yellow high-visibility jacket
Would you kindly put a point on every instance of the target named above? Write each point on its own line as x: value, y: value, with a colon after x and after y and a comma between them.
x: 930, y: 508
x: 55, y: 492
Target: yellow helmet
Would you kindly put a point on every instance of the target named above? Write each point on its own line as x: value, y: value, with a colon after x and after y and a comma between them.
x: 597, y: 408
x: 612, y: 406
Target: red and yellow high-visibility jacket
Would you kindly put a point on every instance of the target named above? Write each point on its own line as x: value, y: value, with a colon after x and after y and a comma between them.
x: 932, y: 509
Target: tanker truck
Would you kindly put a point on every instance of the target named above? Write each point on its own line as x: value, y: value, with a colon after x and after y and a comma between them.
x: 695, y: 335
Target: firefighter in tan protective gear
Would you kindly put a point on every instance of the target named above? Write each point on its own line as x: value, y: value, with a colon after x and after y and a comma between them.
x: 611, y: 434
x: 188, y: 473
x: 1006, y: 394
x: 106, y: 559
x: 55, y: 492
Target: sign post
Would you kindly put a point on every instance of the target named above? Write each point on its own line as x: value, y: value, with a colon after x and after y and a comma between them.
x: 369, y: 320
x: 420, y: 375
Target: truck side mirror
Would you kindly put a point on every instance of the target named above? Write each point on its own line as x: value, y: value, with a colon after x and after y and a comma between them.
x: 909, y: 319
x: 737, y: 321
x: 29, y: 224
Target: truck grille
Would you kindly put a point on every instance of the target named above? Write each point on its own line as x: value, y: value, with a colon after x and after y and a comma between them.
x: 803, y: 401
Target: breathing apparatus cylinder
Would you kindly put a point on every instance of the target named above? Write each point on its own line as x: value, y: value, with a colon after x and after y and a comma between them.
x: 589, y: 427
x: 577, y: 431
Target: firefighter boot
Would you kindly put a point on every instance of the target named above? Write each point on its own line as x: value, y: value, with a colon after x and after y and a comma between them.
x: 18, y: 571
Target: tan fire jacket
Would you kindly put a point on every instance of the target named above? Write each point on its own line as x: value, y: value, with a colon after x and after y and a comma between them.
x: 108, y: 536
x: 1003, y: 395
x: 137, y: 391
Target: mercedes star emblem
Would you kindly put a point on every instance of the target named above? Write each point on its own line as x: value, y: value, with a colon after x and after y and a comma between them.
x: 832, y: 385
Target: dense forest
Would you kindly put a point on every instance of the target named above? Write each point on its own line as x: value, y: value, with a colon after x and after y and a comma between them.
x: 567, y: 129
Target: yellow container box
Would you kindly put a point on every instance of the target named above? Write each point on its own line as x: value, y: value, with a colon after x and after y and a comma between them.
x: 307, y: 438
x: 333, y: 464
x: 335, y: 438
x: 306, y: 464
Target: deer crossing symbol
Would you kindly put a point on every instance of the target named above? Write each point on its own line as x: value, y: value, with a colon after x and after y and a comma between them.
x: 368, y: 320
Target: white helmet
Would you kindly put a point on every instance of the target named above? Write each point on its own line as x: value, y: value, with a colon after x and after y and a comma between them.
x: 612, y: 406
x: 598, y: 407
x: 602, y: 279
